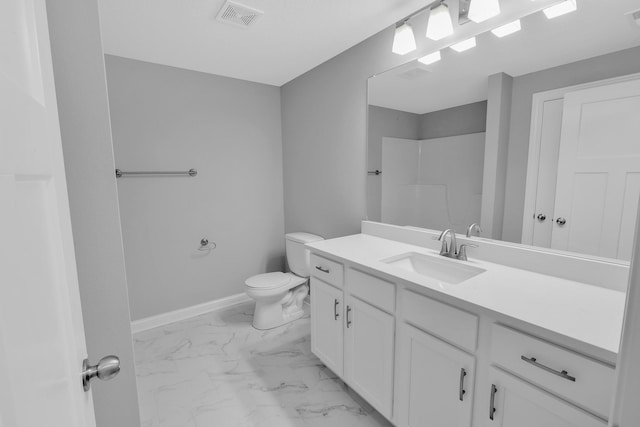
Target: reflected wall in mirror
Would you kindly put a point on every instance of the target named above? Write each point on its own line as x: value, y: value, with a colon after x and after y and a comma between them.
x: 533, y: 135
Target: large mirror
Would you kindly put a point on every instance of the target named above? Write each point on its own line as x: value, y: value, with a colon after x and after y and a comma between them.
x: 534, y: 135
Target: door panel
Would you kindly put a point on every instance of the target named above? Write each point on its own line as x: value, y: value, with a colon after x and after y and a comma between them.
x: 41, y: 331
x: 598, y: 160
x: 518, y: 404
x: 369, y: 349
x: 434, y: 381
x: 327, y: 324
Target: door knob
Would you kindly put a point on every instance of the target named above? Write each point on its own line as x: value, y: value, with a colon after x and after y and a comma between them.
x: 541, y: 217
x: 561, y: 221
x: 107, y: 368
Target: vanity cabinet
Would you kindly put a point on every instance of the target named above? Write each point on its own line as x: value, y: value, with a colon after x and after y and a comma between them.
x: 516, y: 403
x: 435, y: 382
x: 327, y: 324
x: 353, y: 330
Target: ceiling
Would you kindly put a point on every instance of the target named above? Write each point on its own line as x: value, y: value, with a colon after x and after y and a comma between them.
x: 292, y: 37
x: 596, y: 28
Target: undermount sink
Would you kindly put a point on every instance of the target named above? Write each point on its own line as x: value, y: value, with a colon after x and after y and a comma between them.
x: 435, y: 267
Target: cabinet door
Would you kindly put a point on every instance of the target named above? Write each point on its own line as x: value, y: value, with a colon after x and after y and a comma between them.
x: 515, y: 403
x: 369, y: 349
x: 327, y: 325
x: 437, y: 382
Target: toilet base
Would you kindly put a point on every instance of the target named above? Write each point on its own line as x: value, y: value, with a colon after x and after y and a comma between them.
x: 271, y: 313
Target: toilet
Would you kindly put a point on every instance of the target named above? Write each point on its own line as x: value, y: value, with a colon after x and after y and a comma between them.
x: 279, y: 296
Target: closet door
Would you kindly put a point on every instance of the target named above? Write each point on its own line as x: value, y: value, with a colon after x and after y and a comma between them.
x: 598, y: 171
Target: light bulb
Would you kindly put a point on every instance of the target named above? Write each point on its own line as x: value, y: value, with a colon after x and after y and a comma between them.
x: 481, y: 10
x: 507, y: 29
x: 431, y: 58
x: 464, y: 45
x: 439, y: 25
x: 404, y: 40
x: 560, y: 9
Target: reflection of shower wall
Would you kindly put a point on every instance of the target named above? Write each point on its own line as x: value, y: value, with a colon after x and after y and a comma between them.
x: 433, y: 183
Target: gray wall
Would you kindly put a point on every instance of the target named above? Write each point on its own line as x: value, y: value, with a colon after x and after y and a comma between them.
x: 324, y: 129
x: 602, y: 67
x: 78, y: 65
x: 166, y: 118
x: 385, y: 122
x: 460, y: 120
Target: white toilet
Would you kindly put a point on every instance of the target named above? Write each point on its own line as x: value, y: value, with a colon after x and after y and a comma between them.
x: 279, y: 296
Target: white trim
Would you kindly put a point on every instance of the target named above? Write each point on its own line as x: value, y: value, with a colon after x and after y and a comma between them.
x: 533, y: 159
x: 147, y: 323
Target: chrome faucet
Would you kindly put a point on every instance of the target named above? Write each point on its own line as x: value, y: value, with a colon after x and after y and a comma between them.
x: 474, y: 227
x: 452, y: 250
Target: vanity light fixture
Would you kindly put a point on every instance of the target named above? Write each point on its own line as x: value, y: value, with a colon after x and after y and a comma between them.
x: 560, y: 9
x: 439, y: 25
x: 505, y: 30
x: 464, y: 45
x: 431, y: 58
x: 404, y: 41
x: 481, y: 10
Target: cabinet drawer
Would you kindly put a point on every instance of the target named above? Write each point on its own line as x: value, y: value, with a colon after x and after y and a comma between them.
x: 451, y: 324
x: 371, y: 289
x: 327, y: 270
x: 585, y: 382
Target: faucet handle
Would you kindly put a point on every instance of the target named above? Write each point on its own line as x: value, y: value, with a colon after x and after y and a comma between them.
x: 462, y: 251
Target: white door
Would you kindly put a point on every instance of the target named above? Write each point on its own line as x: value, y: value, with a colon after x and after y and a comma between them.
x: 515, y: 403
x: 327, y: 325
x: 549, y: 142
x: 598, y: 171
x: 439, y: 382
x: 41, y: 331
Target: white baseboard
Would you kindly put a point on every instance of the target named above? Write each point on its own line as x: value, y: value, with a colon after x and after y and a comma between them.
x: 147, y: 323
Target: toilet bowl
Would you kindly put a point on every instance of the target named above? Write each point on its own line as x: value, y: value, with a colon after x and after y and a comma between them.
x: 280, y: 296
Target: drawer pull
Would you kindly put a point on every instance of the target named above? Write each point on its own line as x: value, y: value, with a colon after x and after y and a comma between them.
x: 562, y: 374
x: 335, y: 309
x: 348, y: 320
x: 324, y: 270
x: 463, y: 374
x: 492, y: 401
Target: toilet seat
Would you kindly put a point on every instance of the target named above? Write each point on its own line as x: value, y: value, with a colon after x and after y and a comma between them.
x: 271, y: 281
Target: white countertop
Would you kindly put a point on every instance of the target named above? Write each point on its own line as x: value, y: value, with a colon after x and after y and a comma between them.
x: 587, y: 313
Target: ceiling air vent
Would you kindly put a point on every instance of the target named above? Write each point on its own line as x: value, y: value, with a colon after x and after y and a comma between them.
x: 238, y: 14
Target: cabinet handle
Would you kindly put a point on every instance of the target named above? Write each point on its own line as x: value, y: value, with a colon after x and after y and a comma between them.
x: 561, y: 374
x: 335, y: 309
x: 324, y: 270
x: 463, y: 374
x: 348, y: 320
x: 492, y: 401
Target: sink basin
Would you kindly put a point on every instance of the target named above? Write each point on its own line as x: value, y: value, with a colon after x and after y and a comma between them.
x: 439, y: 268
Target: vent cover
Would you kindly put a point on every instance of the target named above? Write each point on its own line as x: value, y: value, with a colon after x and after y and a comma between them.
x: 238, y: 14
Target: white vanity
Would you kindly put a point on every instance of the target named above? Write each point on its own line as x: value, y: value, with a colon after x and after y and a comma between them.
x: 513, y: 337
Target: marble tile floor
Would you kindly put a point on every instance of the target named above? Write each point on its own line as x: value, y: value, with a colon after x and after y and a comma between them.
x: 216, y: 370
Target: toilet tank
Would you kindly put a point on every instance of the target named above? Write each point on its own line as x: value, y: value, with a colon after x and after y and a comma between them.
x: 297, y: 253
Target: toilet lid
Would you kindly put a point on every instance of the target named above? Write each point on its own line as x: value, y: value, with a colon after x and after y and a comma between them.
x: 268, y: 280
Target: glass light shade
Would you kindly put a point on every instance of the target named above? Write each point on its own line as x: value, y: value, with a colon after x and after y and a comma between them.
x: 481, y: 10
x: 439, y: 25
x: 505, y: 30
x: 464, y: 45
x: 560, y: 9
x: 431, y: 58
x: 404, y: 40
